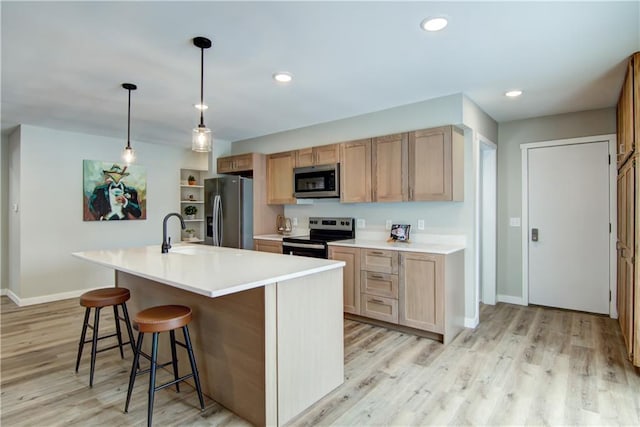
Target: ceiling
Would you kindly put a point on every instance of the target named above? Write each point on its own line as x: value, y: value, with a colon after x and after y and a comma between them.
x: 63, y: 63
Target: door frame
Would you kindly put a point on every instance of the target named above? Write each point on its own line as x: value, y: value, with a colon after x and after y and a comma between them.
x: 486, y: 210
x: 611, y: 142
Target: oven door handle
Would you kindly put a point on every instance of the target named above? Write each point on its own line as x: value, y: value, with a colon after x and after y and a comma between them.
x: 302, y: 245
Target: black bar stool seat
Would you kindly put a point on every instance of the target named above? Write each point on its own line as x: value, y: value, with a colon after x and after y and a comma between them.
x: 98, y: 299
x: 164, y: 318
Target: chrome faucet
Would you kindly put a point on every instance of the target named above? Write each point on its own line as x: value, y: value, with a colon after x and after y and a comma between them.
x: 166, y: 243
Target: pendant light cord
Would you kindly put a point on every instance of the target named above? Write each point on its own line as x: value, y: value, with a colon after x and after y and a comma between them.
x: 201, y: 87
x: 129, y: 121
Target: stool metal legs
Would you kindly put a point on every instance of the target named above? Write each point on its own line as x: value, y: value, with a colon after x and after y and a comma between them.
x: 94, y: 336
x: 154, y: 365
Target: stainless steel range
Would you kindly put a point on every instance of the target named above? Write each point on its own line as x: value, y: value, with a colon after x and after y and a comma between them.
x: 321, y: 231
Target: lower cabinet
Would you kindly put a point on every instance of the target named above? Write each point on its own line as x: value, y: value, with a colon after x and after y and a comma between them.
x: 422, y: 291
x: 351, y: 276
x: 264, y: 245
x: 417, y: 290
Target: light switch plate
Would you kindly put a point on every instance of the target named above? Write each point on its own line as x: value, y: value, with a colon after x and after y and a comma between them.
x: 388, y: 224
x: 514, y: 222
x: 294, y: 221
x: 360, y: 223
x: 421, y: 224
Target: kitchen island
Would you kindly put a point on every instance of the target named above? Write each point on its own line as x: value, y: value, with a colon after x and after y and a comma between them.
x: 267, y: 329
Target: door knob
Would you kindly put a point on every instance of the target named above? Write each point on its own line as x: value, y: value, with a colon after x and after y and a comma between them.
x: 534, y: 234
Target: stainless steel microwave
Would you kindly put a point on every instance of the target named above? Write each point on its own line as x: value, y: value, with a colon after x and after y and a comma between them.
x: 315, y: 182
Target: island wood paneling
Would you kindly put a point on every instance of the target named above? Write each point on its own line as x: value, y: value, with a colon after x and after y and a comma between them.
x: 265, y: 353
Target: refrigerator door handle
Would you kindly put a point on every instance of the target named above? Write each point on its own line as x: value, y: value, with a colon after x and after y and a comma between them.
x: 214, y: 222
x: 220, y: 221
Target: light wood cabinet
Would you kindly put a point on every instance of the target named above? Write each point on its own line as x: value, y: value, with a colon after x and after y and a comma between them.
x: 436, y: 164
x: 423, y: 165
x: 422, y: 291
x: 351, y: 276
x: 280, y: 178
x: 321, y: 155
x: 380, y: 308
x: 417, y: 292
x: 625, y: 119
x: 389, y: 168
x: 235, y: 164
x: 628, y: 238
x: 264, y: 245
x: 355, y: 171
x: 379, y: 261
x: 381, y: 284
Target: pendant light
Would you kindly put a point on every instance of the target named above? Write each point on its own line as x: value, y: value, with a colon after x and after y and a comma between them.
x: 128, y: 155
x: 201, y: 138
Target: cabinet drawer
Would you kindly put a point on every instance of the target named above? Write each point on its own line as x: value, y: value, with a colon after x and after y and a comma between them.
x: 380, y: 261
x: 381, y: 308
x: 380, y: 284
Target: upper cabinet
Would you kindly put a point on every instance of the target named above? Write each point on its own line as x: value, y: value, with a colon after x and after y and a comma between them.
x: 236, y: 164
x: 322, y: 155
x: 389, y: 168
x: 280, y: 178
x: 423, y: 165
x: 355, y: 171
x: 625, y: 114
x: 436, y: 164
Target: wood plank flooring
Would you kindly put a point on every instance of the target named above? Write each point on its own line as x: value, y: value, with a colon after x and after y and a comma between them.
x: 521, y: 366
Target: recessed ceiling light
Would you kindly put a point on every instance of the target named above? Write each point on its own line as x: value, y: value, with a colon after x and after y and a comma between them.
x: 201, y: 106
x: 513, y: 93
x: 282, y: 77
x: 434, y: 24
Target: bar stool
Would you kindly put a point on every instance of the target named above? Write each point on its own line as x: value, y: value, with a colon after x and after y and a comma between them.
x: 98, y: 299
x: 164, y: 318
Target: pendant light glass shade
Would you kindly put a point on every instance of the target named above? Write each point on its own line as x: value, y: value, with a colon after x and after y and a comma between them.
x: 201, y: 140
x: 128, y: 154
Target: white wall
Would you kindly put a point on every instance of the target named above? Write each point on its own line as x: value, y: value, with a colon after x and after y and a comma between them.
x: 4, y: 195
x: 46, y: 182
x: 435, y: 112
x: 440, y: 217
x: 511, y: 135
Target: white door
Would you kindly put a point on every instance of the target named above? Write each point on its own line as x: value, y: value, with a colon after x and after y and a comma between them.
x: 568, y: 191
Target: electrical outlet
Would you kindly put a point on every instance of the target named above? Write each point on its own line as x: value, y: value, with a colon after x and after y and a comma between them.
x: 514, y: 222
x: 387, y: 224
x: 360, y: 223
x: 421, y: 224
x: 294, y: 221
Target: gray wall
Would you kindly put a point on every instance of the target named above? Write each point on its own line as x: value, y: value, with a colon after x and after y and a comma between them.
x: 510, y: 136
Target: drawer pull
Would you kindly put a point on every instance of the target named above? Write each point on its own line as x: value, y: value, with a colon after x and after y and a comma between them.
x: 376, y: 276
x: 376, y: 253
x: 379, y: 301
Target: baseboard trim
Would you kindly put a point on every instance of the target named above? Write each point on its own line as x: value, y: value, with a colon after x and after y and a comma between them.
x: 471, y: 322
x: 3, y: 292
x: 22, y: 302
x: 510, y: 299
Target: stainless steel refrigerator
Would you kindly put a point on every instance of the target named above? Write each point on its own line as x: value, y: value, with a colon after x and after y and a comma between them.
x: 228, y: 204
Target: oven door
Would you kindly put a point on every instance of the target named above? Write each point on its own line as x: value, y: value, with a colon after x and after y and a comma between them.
x: 313, y: 250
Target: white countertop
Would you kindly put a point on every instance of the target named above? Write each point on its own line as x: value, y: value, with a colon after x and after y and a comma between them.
x: 208, y: 270
x: 276, y: 237
x: 432, y: 248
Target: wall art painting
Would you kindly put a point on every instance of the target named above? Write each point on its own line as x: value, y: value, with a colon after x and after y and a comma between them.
x: 114, y: 191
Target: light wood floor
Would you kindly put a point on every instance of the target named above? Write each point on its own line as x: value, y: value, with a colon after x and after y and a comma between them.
x: 521, y: 366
